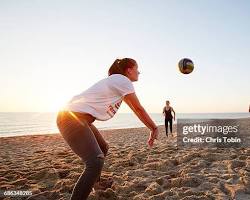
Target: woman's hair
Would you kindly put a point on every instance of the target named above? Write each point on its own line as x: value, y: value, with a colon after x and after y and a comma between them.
x: 121, y: 65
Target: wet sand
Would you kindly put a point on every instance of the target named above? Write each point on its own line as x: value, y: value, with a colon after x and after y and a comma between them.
x: 45, y: 165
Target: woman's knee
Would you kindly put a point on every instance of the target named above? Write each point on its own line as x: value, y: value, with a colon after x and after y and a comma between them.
x: 100, y: 161
x: 95, y: 163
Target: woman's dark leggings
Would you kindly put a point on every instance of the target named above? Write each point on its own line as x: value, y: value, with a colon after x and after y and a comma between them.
x: 86, y: 141
x: 170, y: 121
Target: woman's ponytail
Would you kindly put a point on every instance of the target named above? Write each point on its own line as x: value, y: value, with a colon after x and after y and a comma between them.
x: 121, y: 65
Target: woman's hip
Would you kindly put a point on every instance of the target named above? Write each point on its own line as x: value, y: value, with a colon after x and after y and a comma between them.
x: 78, y: 134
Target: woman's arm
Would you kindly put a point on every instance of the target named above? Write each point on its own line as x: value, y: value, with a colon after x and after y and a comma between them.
x: 174, y: 113
x: 133, y: 102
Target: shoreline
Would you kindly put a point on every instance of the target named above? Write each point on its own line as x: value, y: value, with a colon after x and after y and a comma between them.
x: 101, y: 130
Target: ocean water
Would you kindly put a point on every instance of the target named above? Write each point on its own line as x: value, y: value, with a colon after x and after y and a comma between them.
x: 30, y: 123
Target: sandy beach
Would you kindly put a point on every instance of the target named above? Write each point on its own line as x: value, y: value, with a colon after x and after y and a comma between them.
x: 45, y: 165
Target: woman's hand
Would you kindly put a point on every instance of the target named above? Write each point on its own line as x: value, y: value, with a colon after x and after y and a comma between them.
x: 153, y: 135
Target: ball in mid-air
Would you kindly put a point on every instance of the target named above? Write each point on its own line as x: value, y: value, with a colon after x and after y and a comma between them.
x: 186, y: 66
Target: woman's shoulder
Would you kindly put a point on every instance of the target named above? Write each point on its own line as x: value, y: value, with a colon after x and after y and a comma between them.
x: 121, y: 83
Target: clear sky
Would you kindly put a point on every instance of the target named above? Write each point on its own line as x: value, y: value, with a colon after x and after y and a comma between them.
x: 51, y: 50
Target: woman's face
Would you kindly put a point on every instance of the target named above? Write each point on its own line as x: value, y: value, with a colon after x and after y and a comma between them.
x: 133, y: 73
x: 167, y: 103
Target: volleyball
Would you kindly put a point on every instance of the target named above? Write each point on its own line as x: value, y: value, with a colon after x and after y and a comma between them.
x: 186, y: 66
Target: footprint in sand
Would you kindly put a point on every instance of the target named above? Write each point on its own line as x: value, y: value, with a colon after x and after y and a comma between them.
x: 104, y: 184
